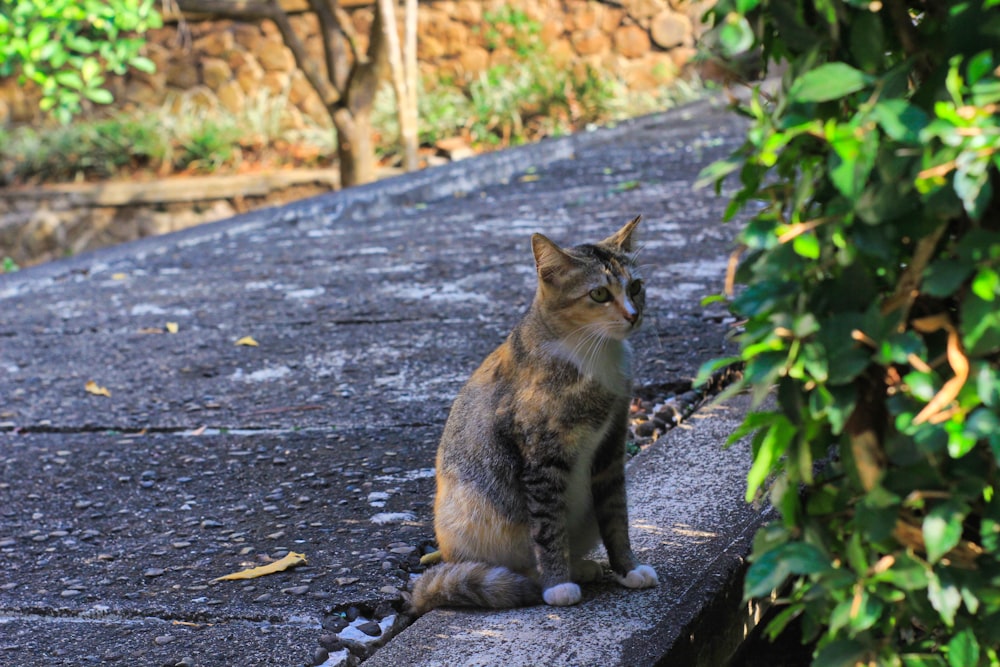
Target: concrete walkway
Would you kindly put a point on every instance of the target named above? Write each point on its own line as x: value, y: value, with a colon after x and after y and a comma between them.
x: 145, y: 451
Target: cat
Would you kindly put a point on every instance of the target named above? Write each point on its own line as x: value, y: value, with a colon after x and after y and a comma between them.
x: 531, y: 465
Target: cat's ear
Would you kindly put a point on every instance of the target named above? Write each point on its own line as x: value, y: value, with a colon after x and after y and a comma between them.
x: 624, y: 239
x: 551, y: 261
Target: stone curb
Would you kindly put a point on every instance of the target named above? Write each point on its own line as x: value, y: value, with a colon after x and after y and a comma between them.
x: 697, y: 536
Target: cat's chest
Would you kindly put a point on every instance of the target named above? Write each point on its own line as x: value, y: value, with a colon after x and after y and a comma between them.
x: 608, y: 364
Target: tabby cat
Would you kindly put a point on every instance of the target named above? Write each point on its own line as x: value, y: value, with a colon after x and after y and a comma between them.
x: 531, y: 465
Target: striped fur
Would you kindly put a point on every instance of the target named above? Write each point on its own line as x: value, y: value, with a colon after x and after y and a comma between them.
x: 530, y: 468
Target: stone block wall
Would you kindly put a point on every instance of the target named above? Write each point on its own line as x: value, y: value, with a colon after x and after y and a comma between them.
x: 227, y: 63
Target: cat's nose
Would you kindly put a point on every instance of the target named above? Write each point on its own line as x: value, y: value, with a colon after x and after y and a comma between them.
x: 630, y: 313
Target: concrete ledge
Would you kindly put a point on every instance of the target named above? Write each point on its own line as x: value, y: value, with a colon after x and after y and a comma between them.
x: 688, y: 520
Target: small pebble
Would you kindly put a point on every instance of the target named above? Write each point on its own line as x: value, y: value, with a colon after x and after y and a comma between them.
x: 320, y: 656
x: 296, y: 590
x: 266, y: 597
x: 69, y: 593
x: 211, y: 523
x: 154, y: 572
x: 164, y: 639
x: 371, y: 628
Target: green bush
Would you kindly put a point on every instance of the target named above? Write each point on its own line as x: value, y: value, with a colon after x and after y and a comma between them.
x: 67, y: 46
x: 871, y: 274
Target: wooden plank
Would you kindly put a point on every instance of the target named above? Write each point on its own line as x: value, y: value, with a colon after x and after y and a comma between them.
x: 173, y: 190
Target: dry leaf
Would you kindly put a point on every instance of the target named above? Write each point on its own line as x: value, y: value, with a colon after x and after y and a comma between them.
x: 119, y: 276
x: 248, y: 341
x: 937, y: 409
x: 432, y: 558
x: 291, y: 560
x: 172, y: 327
x: 199, y: 430
x: 529, y: 178
x: 93, y: 388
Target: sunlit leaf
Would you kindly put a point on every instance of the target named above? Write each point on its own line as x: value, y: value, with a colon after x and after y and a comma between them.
x: 93, y: 388
x: 828, y: 82
x: 248, y: 341
x: 172, y: 327
x: 290, y: 560
x: 942, y: 529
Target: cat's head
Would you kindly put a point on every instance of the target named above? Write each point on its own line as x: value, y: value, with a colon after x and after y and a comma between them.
x: 591, y: 290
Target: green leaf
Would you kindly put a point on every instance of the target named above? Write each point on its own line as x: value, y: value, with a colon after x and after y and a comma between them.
x: 828, y: 82
x: 776, y: 440
x: 944, y: 596
x: 69, y: 79
x: 945, y: 276
x: 923, y: 660
x: 986, y: 284
x: 963, y: 649
x: 99, y: 95
x: 840, y: 653
x: 806, y: 245
x: 942, y: 528
x: 900, y: 120
x: 735, y: 35
x: 980, y: 325
x: 143, y: 64
x: 769, y: 570
x: 717, y: 171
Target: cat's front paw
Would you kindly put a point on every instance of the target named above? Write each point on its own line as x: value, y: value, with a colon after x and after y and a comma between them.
x: 642, y: 576
x: 562, y: 595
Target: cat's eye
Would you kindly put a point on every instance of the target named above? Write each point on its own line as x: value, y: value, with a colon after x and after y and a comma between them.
x: 600, y: 294
x: 634, y: 288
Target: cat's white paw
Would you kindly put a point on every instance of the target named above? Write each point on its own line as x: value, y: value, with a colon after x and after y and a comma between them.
x: 562, y: 595
x: 643, y: 576
x: 586, y: 571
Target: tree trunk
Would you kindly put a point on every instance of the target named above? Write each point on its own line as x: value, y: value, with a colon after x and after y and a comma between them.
x: 354, y: 146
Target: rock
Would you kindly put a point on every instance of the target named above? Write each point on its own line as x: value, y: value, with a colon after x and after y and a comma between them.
x: 215, y: 72
x: 154, y: 572
x: 371, y: 628
x: 215, y: 43
x: 163, y: 639
x: 274, y: 56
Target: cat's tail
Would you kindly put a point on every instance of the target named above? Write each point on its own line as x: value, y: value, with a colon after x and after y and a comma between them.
x: 472, y: 585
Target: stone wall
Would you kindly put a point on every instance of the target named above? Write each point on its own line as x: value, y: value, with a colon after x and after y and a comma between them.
x: 223, y: 62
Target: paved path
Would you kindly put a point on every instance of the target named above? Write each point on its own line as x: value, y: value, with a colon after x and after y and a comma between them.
x: 369, y: 308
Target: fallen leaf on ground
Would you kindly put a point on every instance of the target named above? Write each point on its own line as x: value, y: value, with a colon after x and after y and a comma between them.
x: 119, y: 276
x: 248, y: 341
x: 291, y: 560
x: 431, y: 559
x: 93, y: 388
x: 199, y: 430
x: 172, y: 327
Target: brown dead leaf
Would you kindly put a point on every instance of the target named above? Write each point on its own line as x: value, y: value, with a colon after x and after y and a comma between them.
x: 247, y: 341
x: 93, y: 388
x: 291, y: 560
x: 959, y: 365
